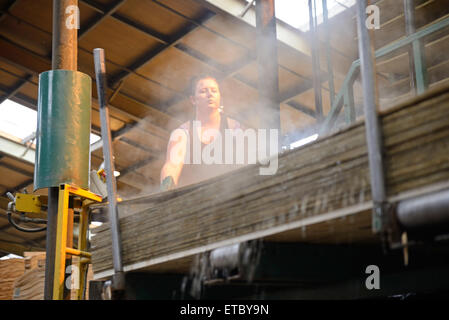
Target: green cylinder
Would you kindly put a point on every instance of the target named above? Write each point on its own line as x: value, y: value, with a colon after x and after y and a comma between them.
x: 63, y: 129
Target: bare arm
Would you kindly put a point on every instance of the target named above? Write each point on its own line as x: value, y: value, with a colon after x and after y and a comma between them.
x: 176, y: 151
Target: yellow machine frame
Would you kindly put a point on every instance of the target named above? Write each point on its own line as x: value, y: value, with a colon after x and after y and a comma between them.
x: 65, y: 222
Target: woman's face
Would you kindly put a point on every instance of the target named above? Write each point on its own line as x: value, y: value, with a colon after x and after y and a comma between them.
x: 207, y: 94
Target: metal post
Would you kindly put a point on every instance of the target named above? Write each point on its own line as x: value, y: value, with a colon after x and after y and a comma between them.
x: 418, y: 70
x: 267, y: 59
x: 349, y: 104
x: 65, y: 40
x: 64, y: 56
x: 410, y: 29
x: 372, y: 123
x: 52, y: 215
x: 330, y: 70
x: 315, y: 61
x: 100, y: 72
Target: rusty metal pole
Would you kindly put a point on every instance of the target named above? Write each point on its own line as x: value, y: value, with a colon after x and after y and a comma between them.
x: 64, y: 56
x: 267, y: 59
x: 65, y: 39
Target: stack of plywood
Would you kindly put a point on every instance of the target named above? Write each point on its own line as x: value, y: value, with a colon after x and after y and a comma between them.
x: 74, y: 291
x: 34, y: 260
x: 30, y: 285
x: 10, y: 270
x: 325, y: 180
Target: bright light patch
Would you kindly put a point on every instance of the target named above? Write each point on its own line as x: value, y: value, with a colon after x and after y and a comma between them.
x: 303, y: 142
x: 21, y: 122
x: 94, y: 138
x: 11, y: 256
x: 296, y: 12
x: 96, y: 223
x: 17, y: 120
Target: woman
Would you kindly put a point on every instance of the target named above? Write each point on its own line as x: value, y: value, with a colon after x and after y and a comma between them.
x: 181, y: 166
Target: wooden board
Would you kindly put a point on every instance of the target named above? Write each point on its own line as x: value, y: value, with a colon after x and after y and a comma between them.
x: 10, y: 270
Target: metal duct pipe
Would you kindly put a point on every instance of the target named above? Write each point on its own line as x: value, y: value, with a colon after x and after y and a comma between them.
x: 424, y: 211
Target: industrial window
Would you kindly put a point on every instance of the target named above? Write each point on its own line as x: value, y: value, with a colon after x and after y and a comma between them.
x: 296, y: 12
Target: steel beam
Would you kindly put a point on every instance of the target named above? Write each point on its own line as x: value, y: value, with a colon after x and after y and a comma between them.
x: 303, y: 109
x: 418, y: 70
x: 100, y: 72
x: 16, y: 150
x: 330, y: 70
x: 267, y: 60
x: 315, y: 59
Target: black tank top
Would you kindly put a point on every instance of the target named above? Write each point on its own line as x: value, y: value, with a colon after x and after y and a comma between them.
x: 193, y: 173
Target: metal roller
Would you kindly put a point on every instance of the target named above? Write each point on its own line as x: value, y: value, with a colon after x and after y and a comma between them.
x: 424, y: 211
x: 241, y: 258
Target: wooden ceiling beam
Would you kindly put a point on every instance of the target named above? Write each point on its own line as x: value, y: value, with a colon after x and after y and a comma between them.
x: 151, y: 54
x: 96, y: 21
x: 20, y: 186
x: 7, y: 7
x: 14, y: 90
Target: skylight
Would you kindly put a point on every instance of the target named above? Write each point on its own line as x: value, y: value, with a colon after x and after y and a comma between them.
x: 21, y: 122
x: 17, y: 120
x: 296, y: 12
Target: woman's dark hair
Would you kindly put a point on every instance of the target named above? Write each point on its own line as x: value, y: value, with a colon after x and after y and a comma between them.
x: 194, y: 81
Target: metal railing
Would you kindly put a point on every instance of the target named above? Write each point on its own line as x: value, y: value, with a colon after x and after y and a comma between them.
x: 345, y: 97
